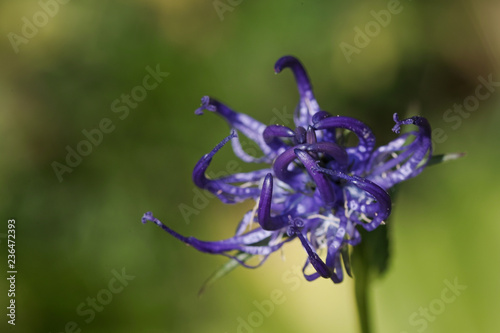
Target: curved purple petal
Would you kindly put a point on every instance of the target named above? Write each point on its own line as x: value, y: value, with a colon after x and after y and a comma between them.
x: 266, y: 221
x: 324, y: 186
x: 413, y: 159
x: 240, y: 243
x: 332, y: 149
x: 281, y: 164
x: 250, y: 127
x: 307, y: 104
x: 318, y: 264
x: 362, y: 152
x: 225, y: 192
x: 379, y: 194
x: 272, y: 133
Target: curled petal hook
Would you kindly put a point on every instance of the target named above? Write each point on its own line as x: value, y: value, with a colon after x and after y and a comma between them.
x: 272, y: 133
x: 225, y: 192
x: 266, y: 221
x: 303, y: 82
x: 331, y: 149
x: 319, y: 265
x: 324, y: 186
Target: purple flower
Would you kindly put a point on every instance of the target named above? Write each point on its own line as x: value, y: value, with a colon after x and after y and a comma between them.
x: 315, y: 188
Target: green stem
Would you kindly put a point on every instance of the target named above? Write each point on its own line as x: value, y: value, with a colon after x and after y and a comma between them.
x: 361, y: 288
x: 369, y: 261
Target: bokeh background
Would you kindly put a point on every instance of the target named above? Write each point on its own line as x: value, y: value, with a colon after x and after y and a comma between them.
x: 74, y: 235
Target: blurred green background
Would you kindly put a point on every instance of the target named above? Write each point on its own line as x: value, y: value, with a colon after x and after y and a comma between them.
x: 73, y: 236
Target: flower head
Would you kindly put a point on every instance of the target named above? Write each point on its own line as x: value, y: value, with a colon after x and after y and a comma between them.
x: 315, y: 188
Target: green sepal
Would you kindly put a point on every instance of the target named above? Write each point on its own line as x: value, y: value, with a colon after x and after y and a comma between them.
x: 346, y: 258
x: 373, y: 251
x: 224, y: 270
x: 436, y: 159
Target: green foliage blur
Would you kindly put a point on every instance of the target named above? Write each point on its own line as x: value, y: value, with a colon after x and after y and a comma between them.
x: 64, y: 76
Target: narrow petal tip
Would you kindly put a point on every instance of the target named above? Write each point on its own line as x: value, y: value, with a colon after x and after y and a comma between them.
x: 147, y: 217
x: 295, y: 226
x: 205, y: 105
x: 396, y: 127
x: 318, y: 116
x: 303, y: 83
x: 283, y: 62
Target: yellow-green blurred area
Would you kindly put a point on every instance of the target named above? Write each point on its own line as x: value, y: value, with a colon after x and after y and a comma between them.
x: 63, y: 67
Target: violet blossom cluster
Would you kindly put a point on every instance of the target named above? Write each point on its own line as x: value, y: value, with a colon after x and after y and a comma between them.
x: 314, y: 188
